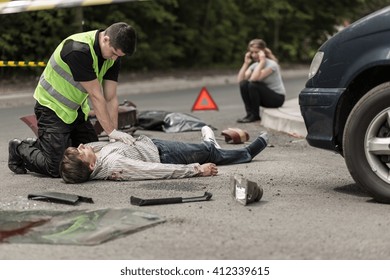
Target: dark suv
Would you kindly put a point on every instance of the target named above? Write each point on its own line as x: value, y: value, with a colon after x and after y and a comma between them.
x: 346, y: 101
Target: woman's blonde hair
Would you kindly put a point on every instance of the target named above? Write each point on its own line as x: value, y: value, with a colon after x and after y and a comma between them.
x: 261, y: 44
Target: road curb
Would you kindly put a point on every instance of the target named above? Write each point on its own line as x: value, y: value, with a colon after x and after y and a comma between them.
x: 287, y: 119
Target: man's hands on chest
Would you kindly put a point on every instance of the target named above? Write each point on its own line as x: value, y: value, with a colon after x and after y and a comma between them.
x: 126, y: 138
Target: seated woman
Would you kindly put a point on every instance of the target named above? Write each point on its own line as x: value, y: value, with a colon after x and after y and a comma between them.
x: 260, y: 81
x: 152, y: 159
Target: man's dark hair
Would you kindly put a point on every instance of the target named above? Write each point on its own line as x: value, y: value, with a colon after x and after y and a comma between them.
x: 123, y: 37
x: 72, y: 169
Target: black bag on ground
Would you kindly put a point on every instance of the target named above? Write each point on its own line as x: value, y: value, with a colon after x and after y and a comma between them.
x: 169, y: 121
x: 152, y: 120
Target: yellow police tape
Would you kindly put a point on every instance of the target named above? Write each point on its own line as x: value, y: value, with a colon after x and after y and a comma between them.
x: 22, y: 64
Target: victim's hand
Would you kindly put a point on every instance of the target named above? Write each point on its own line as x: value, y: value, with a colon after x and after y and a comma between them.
x: 209, y: 169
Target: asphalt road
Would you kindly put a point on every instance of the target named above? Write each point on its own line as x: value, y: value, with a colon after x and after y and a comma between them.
x: 311, y: 208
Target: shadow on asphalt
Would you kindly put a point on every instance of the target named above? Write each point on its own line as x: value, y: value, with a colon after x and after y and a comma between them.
x: 352, y: 189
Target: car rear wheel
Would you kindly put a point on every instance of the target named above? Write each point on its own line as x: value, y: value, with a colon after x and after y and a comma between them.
x: 366, y: 143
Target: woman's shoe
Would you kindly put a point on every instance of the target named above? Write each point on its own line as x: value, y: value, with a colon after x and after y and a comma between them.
x: 244, y: 118
x: 249, y: 119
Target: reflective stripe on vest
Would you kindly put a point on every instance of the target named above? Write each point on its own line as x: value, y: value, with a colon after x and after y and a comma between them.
x: 58, y: 96
x: 54, y: 93
x: 65, y: 75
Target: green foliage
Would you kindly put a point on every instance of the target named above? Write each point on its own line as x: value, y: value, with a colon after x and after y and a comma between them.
x: 186, y: 33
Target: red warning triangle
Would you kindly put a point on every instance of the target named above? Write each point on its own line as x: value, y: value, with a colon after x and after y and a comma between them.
x: 204, y: 101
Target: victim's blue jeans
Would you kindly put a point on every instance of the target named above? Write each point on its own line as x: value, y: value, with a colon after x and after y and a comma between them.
x: 185, y: 153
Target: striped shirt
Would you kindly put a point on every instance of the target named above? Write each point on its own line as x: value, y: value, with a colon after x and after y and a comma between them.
x: 141, y: 161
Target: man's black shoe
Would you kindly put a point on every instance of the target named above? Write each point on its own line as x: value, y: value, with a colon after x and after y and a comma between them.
x: 15, y: 163
x: 249, y: 119
x: 30, y: 140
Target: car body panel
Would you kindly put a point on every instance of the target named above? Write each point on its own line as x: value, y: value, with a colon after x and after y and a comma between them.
x: 318, y: 108
x: 350, y: 56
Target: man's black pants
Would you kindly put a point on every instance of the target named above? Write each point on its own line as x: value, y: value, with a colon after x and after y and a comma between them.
x: 54, y: 136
